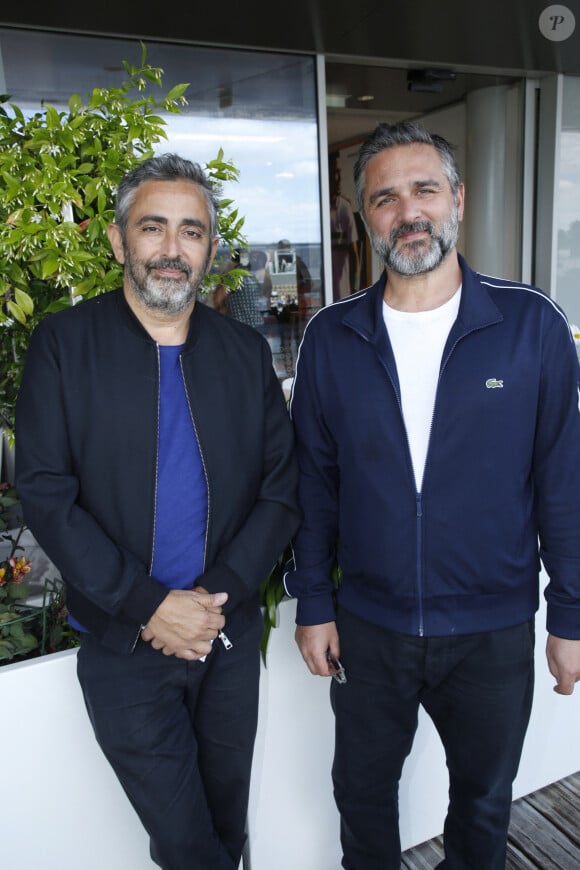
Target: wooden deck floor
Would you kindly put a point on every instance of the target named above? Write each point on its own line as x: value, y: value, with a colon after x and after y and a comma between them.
x: 544, y: 832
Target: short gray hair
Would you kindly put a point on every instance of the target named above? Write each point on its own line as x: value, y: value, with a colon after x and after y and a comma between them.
x: 403, y: 133
x: 166, y: 167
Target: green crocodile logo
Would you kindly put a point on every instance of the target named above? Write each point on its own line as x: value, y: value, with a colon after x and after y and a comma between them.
x: 493, y: 383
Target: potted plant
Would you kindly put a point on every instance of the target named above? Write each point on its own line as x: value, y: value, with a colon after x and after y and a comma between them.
x: 16, y: 638
x: 33, y: 618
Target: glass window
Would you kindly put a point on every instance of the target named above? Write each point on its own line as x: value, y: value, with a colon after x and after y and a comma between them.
x: 260, y: 108
x: 568, y: 203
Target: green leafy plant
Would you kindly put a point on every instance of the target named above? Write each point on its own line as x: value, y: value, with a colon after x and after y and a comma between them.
x: 272, y: 592
x: 8, y: 504
x: 15, y: 636
x: 59, y: 170
x: 27, y: 629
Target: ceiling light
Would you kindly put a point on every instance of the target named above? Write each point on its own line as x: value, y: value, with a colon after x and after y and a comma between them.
x: 365, y: 98
x: 336, y: 101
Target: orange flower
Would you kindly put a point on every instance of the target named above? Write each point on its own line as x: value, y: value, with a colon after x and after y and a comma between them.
x: 2, y: 576
x: 20, y: 568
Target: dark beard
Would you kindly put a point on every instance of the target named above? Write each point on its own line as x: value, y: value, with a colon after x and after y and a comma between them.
x: 419, y: 258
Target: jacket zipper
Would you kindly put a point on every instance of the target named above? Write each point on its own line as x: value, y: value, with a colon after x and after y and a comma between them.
x: 152, y: 552
x: 419, y: 495
x: 141, y: 627
x: 222, y: 635
x: 419, y: 515
x: 418, y: 511
x: 225, y: 640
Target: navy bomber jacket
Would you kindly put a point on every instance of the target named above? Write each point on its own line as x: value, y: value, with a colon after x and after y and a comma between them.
x: 501, y: 488
x: 86, y: 449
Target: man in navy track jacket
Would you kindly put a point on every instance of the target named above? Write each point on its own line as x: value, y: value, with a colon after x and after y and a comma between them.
x: 438, y: 435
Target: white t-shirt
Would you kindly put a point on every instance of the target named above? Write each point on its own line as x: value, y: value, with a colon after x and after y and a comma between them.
x: 418, y: 339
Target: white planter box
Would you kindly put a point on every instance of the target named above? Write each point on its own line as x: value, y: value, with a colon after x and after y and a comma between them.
x: 64, y: 807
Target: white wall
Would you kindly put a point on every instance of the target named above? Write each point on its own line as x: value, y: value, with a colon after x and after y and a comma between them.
x: 62, y: 807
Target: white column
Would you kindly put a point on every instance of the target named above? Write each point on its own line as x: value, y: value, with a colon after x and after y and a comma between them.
x: 493, y: 176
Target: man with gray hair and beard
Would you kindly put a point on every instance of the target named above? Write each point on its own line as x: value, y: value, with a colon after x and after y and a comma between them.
x: 438, y: 438
x: 155, y: 466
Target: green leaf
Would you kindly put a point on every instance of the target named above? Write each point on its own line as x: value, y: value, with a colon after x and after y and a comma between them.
x: 101, y: 200
x: 52, y: 117
x: 91, y: 188
x: 24, y: 301
x: 16, y: 312
x: 176, y: 92
x: 6, y: 649
x: 18, y: 591
x: 74, y: 104
x: 50, y: 265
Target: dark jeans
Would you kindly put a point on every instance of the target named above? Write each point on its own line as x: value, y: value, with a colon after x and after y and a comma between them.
x: 180, y: 738
x: 478, y: 691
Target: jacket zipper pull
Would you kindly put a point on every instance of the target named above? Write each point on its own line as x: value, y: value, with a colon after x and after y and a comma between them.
x: 225, y: 640
x: 136, y: 641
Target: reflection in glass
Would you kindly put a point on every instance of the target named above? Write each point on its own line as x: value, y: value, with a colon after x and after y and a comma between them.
x: 278, y: 194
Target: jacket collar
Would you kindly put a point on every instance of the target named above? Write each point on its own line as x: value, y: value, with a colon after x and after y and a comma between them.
x: 133, y: 323
x: 476, y: 310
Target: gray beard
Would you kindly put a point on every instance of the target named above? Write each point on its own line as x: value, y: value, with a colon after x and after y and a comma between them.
x: 417, y: 258
x: 170, y: 296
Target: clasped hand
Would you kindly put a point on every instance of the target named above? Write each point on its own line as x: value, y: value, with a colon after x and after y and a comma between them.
x: 186, y: 623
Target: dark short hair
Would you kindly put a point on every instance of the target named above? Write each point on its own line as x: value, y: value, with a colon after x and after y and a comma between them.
x: 403, y: 133
x: 166, y: 167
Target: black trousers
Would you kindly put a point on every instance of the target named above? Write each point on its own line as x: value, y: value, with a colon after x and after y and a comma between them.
x: 180, y: 738
x: 478, y: 691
